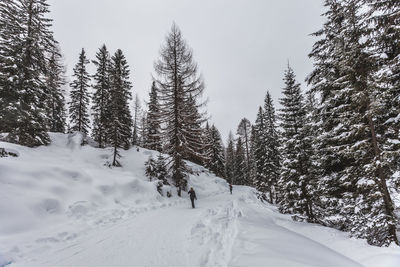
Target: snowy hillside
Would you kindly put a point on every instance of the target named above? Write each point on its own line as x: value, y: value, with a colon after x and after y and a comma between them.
x: 60, y: 206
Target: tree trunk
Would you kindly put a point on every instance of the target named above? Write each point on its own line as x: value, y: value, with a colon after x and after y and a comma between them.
x: 382, y: 181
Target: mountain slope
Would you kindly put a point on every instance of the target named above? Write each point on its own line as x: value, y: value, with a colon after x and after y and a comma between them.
x: 63, y: 207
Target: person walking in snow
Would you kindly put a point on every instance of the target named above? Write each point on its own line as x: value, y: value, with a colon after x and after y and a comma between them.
x: 230, y: 188
x: 192, y: 196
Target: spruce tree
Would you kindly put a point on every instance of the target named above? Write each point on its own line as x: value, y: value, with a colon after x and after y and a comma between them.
x: 193, y: 131
x: 215, y: 153
x: 161, y: 167
x: 143, y: 129
x: 101, y: 96
x: 157, y: 170
x: 260, y: 153
x: 25, y: 49
x: 177, y: 82
x: 206, y: 141
x: 272, y: 161
x: 10, y: 64
x: 119, y: 126
x: 295, y: 182
x: 55, y: 101
x: 151, y: 169
x: 153, y: 139
x: 386, y: 47
x: 230, y: 159
x: 240, y: 174
x: 137, y: 112
x: 354, y: 184
x: 79, y: 94
x: 252, y: 167
x: 244, y: 131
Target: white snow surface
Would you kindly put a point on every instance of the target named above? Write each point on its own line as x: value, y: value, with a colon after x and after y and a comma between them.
x: 61, y: 206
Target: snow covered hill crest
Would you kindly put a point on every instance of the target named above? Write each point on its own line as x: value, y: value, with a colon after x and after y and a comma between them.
x: 61, y: 206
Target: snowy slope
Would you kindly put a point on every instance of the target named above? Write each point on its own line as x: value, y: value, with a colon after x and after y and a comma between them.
x: 61, y: 206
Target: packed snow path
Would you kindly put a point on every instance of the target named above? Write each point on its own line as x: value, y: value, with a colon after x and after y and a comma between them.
x: 223, y: 230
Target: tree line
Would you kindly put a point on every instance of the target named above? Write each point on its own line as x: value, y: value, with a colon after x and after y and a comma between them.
x: 329, y: 155
x: 32, y: 102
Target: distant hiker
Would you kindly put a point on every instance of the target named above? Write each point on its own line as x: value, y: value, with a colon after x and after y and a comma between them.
x: 192, y: 196
x: 230, y: 188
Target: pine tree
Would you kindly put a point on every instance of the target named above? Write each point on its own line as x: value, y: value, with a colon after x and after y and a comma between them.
x: 157, y: 170
x: 331, y: 163
x: 240, y: 176
x: 161, y: 167
x: 252, y: 167
x: 55, y: 101
x: 118, y: 130
x: 10, y: 64
x: 260, y: 153
x: 143, y: 129
x: 25, y: 48
x: 354, y: 183
x: 177, y: 82
x: 193, y: 132
x: 151, y: 169
x: 215, y: 153
x: 206, y: 141
x: 153, y: 139
x: 386, y: 47
x: 272, y: 162
x: 79, y: 104
x: 101, y: 96
x: 244, y: 131
x: 230, y: 159
x: 137, y: 110
x: 295, y: 182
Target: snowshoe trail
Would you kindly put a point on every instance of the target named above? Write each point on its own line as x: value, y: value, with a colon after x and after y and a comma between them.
x: 213, y: 235
x: 223, y: 231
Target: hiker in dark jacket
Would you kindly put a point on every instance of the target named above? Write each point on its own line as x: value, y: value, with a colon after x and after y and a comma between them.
x: 230, y: 188
x: 192, y: 196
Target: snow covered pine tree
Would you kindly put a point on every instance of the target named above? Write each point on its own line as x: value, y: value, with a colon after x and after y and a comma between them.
x: 119, y: 126
x: 295, y: 183
x: 356, y: 170
x: 26, y: 46
x: 101, y: 96
x: 153, y: 139
x: 79, y: 104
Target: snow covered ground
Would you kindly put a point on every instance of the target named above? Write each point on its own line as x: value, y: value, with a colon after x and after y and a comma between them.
x: 60, y: 206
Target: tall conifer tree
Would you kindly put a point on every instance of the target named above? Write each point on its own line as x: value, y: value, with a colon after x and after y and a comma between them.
x: 11, y: 34
x: 137, y: 113
x: 178, y: 82
x: 295, y: 183
x: 240, y: 175
x: 26, y: 45
x: 55, y: 101
x: 119, y: 127
x: 79, y: 94
x: 153, y: 139
x: 356, y: 173
x: 272, y: 163
x: 230, y: 159
x: 215, y: 153
x: 101, y: 96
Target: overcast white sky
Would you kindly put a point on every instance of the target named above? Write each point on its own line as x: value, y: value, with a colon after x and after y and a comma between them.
x: 242, y: 46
